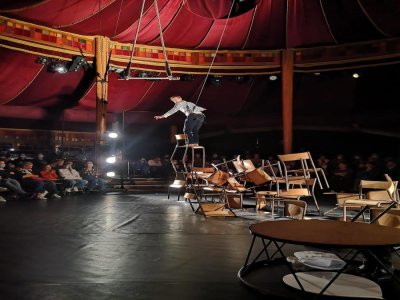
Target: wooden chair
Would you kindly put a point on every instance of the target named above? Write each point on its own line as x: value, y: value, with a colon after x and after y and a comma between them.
x: 301, y: 166
x: 179, y: 184
x: 380, y: 194
x: 235, y: 192
x: 215, y: 183
x: 294, y: 209
x: 305, y: 190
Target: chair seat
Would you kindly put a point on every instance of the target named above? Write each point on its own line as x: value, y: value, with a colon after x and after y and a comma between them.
x: 176, y: 186
x: 367, y: 202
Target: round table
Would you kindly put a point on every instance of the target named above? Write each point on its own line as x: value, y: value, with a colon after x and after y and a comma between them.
x: 362, y: 237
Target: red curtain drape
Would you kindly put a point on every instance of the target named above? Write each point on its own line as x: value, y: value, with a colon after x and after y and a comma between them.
x: 18, y: 70
x: 306, y: 24
x: 214, y: 9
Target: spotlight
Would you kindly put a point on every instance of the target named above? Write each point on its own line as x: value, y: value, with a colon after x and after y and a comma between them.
x: 216, y: 80
x: 112, y: 135
x: 273, y: 77
x: 111, y: 159
x: 58, y: 67
x: 317, y: 73
x: 124, y: 74
x: 240, y: 79
x: 77, y: 63
x: 356, y: 75
x: 143, y: 74
x: 110, y: 174
x: 186, y: 77
x: 42, y: 60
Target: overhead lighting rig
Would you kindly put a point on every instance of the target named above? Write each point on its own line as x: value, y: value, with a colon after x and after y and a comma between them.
x: 55, y: 65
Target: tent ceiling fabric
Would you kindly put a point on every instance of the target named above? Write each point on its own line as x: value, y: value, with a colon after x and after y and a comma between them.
x: 186, y: 24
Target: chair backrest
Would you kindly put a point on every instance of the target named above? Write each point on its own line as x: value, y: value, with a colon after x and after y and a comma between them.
x: 258, y: 176
x: 218, y: 178
x: 181, y: 136
x: 248, y: 165
x: 203, y: 170
x: 237, y: 164
x: 234, y: 184
x: 392, y: 189
x: 294, y: 156
x: 178, y: 182
x: 390, y: 218
x: 295, y: 209
x: 181, y: 139
x: 379, y: 190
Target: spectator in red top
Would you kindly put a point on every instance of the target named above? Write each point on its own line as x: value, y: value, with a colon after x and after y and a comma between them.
x: 48, y: 173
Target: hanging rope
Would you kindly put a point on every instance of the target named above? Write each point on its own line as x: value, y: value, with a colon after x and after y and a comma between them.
x: 128, y: 69
x: 119, y: 14
x: 167, y: 68
x: 216, y: 52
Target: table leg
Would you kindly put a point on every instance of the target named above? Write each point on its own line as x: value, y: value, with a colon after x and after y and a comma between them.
x: 289, y: 265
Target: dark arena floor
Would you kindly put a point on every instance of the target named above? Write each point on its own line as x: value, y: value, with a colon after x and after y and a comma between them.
x: 125, y: 246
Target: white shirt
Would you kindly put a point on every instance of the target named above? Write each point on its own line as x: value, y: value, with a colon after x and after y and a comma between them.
x: 186, y: 107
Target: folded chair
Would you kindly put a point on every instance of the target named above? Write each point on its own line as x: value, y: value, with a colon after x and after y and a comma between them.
x: 301, y: 165
x: 235, y: 192
x: 380, y: 194
x: 216, y: 183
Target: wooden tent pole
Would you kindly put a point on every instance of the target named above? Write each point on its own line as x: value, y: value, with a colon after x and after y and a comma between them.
x: 287, y: 99
x: 102, y: 50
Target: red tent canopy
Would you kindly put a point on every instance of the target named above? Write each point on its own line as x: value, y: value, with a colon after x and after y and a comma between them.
x: 27, y: 90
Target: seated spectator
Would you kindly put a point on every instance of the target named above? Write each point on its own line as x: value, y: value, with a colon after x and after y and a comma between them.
x: 155, y: 166
x: 20, y: 160
x: 257, y: 161
x: 369, y: 171
x: 392, y: 169
x: 57, y: 164
x: 10, y: 183
x: 94, y: 181
x: 72, y: 179
x: 33, y: 183
x: 342, y: 178
x: 39, y: 162
x: 142, y: 167
x: 48, y: 173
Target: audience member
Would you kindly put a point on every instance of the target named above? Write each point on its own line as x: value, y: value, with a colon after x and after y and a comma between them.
x: 90, y: 175
x: 73, y: 181
x: 10, y: 183
x: 342, y: 178
x: 31, y: 182
x: 39, y: 162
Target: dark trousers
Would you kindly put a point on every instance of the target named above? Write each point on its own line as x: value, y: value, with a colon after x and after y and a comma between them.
x: 192, y: 126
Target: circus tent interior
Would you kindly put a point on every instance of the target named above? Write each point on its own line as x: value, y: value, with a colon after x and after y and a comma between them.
x: 333, y: 64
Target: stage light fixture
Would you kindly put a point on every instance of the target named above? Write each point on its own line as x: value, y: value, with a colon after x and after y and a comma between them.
x: 240, y: 79
x: 143, y: 74
x: 110, y: 174
x: 42, y: 60
x: 111, y: 159
x: 186, y: 77
x: 216, y: 80
x: 356, y: 75
x: 77, y: 63
x: 273, y: 77
x: 58, y: 67
x: 112, y: 135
